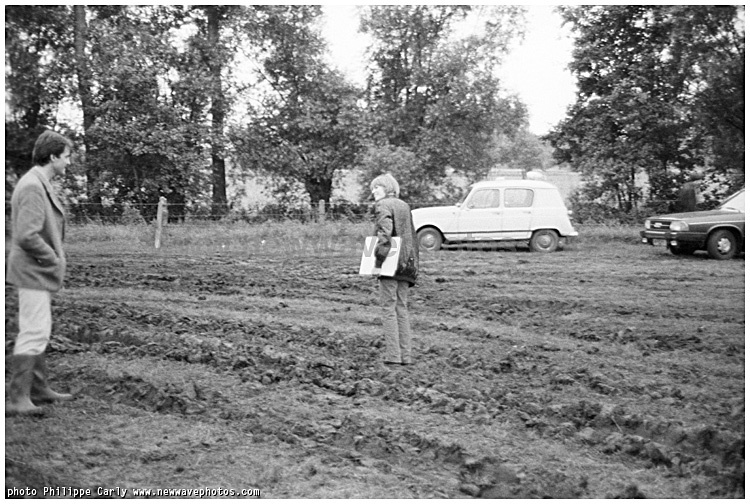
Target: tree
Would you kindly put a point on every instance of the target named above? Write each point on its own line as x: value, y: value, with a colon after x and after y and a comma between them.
x: 648, y: 97
x: 36, y: 40
x: 140, y: 144
x: 524, y: 151
x: 711, y: 44
x: 33, y: 87
x: 434, y: 92
x: 150, y: 107
x: 82, y: 65
x: 307, y: 130
x: 216, y: 62
x: 115, y: 61
x: 213, y: 43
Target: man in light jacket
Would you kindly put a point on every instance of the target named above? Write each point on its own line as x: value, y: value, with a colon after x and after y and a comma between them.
x: 36, y: 266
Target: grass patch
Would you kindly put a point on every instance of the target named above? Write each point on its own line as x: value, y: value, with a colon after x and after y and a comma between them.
x: 97, y: 232
x: 208, y: 238
x: 606, y: 233
x: 217, y: 233
x: 271, y: 235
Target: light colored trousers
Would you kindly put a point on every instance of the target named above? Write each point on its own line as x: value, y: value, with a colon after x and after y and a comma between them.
x: 393, y: 301
x: 34, y: 321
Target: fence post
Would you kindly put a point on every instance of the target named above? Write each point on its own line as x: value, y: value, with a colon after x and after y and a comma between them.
x: 160, y: 211
x: 321, y: 210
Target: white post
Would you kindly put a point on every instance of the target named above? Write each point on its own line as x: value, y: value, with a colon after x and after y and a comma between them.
x: 160, y: 211
x: 321, y: 210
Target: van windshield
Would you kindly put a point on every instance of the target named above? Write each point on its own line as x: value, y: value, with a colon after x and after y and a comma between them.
x: 465, y: 195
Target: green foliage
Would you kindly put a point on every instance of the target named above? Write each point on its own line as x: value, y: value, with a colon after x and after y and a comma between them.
x: 400, y: 162
x: 96, y: 233
x: 308, y: 131
x: 35, y: 84
x: 141, y: 141
x: 225, y: 235
x: 588, y: 209
x: 610, y: 232
x: 660, y: 94
x: 155, y: 85
x: 131, y: 215
x: 524, y: 151
x: 434, y: 93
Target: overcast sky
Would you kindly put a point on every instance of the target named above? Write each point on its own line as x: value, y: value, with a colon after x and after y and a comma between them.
x: 535, y: 70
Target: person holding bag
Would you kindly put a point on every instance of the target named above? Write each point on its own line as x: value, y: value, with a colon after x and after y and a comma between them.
x: 393, y: 218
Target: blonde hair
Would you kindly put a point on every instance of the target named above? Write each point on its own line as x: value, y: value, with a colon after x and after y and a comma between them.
x: 387, y: 182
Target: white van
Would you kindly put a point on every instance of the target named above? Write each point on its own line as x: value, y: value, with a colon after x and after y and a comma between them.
x: 530, y: 211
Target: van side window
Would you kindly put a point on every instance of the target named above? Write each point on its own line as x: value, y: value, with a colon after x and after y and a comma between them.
x: 518, y: 198
x: 485, y: 198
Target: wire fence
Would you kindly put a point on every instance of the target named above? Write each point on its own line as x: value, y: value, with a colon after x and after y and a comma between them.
x: 138, y: 213
x: 200, y: 214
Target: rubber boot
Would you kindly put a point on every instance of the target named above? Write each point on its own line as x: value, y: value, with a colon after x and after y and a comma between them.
x: 20, y: 387
x: 40, y: 390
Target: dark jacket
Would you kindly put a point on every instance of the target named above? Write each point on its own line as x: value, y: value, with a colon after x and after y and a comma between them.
x: 687, y: 198
x: 393, y: 218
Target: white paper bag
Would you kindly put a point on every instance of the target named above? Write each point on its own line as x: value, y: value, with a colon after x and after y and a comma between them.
x: 367, y: 266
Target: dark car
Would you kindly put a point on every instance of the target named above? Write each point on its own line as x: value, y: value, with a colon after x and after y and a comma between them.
x: 719, y: 232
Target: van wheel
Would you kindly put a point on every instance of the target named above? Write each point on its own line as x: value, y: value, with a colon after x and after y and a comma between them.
x: 722, y: 244
x: 544, y: 240
x: 430, y: 239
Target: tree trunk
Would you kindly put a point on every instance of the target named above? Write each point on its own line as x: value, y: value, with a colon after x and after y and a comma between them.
x: 84, y: 92
x: 319, y: 189
x: 218, y: 166
x: 632, y: 192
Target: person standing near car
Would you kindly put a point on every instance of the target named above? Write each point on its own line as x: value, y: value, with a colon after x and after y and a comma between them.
x: 393, y: 219
x: 36, y: 266
x: 690, y: 196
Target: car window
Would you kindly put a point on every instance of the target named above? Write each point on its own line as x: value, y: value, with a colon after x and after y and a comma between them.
x: 736, y: 202
x: 518, y: 198
x: 484, y: 198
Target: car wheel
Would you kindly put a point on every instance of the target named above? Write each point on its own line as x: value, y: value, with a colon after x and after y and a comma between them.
x: 682, y: 249
x: 722, y: 244
x: 544, y: 240
x: 430, y: 239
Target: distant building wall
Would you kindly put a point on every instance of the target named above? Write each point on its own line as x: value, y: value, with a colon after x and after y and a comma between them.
x: 567, y: 181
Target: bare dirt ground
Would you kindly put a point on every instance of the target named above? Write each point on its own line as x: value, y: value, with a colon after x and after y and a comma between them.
x: 603, y: 371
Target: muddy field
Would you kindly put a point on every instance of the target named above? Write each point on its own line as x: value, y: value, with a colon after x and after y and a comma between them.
x: 606, y: 370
